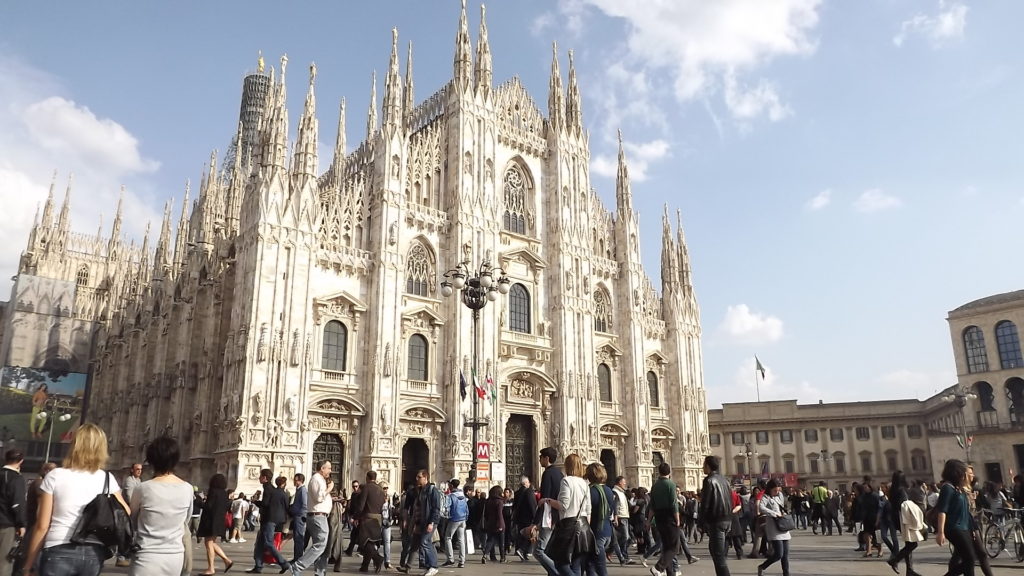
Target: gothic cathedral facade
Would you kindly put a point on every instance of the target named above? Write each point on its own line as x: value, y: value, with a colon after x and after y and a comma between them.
x: 296, y: 314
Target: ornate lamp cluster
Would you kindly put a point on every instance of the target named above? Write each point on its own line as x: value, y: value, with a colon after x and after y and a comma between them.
x: 960, y: 395
x: 478, y: 287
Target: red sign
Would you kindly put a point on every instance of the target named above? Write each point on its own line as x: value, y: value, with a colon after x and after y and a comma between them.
x: 483, y: 450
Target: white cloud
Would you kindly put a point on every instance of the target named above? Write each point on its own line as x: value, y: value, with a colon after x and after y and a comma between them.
x: 701, y: 45
x: 905, y: 383
x: 820, y: 200
x: 568, y: 17
x: 876, y: 200
x: 638, y: 158
x: 741, y: 325
x: 42, y: 130
x: 947, y: 25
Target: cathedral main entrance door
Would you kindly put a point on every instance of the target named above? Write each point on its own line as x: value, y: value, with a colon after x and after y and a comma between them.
x: 329, y: 447
x: 519, y: 450
x: 415, y: 457
x: 610, y: 464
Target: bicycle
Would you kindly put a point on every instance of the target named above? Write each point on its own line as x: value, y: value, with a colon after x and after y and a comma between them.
x: 1009, y: 530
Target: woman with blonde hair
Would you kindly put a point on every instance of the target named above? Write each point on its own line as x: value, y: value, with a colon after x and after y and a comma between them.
x: 64, y: 494
x: 573, y: 499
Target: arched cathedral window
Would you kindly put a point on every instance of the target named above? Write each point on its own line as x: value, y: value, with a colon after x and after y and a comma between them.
x: 82, y: 278
x: 335, y: 346
x: 519, y: 309
x: 418, y: 358
x: 652, y: 388
x: 602, y: 311
x: 515, y: 200
x: 604, y: 382
x: 419, y: 276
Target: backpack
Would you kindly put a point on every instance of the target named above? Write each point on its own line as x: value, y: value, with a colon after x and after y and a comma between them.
x: 446, y: 505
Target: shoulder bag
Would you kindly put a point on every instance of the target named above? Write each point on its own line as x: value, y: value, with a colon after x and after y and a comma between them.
x: 782, y: 521
x: 570, y: 538
x: 105, y: 521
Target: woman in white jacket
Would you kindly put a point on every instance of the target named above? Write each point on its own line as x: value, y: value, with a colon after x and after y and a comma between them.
x: 911, y: 521
x: 772, y: 506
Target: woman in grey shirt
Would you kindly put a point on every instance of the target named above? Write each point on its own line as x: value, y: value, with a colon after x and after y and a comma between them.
x: 161, y: 508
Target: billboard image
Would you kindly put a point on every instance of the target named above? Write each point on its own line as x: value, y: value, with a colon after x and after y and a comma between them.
x: 31, y: 399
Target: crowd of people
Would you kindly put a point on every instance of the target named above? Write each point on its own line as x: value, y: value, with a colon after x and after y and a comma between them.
x: 576, y: 521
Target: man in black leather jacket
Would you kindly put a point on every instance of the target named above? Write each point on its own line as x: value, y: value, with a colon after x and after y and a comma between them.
x: 715, y: 514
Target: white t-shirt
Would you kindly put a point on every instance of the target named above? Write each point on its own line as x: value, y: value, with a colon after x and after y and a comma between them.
x: 72, y: 490
x: 574, y: 497
x: 238, y: 508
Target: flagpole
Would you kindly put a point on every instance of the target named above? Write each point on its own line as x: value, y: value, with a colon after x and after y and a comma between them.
x: 757, y: 385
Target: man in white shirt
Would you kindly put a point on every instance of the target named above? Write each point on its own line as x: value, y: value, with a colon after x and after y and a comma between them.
x: 621, y: 537
x: 320, y: 503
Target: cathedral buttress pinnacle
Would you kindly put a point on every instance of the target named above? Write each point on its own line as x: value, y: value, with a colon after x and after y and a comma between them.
x: 48, y: 206
x: 556, y: 102
x: 305, y: 159
x: 463, y: 73
x: 574, y: 106
x: 338, y: 162
x: 669, y: 256
x: 393, y: 87
x: 410, y: 103
x: 371, y: 114
x: 684, y: 253
x: 483, y: 70
x: 162, y: 259
x: 623, y: 192
x: 181, y: 240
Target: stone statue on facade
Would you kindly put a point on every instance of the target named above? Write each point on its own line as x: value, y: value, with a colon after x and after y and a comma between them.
x: 291, y: 411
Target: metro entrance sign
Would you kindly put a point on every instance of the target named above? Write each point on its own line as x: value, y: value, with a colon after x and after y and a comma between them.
x: 483, y: 450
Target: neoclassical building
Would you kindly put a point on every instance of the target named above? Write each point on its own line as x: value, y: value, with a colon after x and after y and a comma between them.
x: 294, y: 312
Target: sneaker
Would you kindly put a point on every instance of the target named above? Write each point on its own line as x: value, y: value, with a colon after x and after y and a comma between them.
x: 656, y: 572
x: 521, y: 554
x: 629, y: 562
x: 403, y: 569
x: 692, y: 560
x: 123, y: 562
x: 462, y: 565
x: 447, y: 564
x: 430, y: 572
x: 643, y: 562
x: 241, y: 541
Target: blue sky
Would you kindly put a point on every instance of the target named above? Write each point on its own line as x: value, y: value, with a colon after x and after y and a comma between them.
x: 848, y: 172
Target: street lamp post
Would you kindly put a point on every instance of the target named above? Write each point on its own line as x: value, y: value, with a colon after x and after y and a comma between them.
x: 478, y: 287
x: 62, y: 410
x: 960, y: 395
x: 749, y: 452
x: 825, y: 459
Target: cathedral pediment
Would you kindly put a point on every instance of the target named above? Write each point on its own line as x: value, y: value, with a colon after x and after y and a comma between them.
x: 343, y: 298
x: 524, y: 255
x: 336, y: 306
x: 425, y: 315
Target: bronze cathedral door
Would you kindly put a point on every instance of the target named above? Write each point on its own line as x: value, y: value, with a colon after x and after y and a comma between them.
x: 520, y: 454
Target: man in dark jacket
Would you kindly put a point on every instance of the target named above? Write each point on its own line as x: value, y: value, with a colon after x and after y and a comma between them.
x: 369, y: 517
x: 12, y: 506
x: 665, y: 506
x: 524, y: 508
x: 550, y: 482
x: 273, y: 513
x: 715, y: 514
x: 426, y: 513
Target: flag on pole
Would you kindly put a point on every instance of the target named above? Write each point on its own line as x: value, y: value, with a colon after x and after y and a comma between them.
x: 759, y: 367
x: 970, y: 442
x: 491, y: 388
x: 764, y: 470
x: 960, y: 441
x: 462, y: 384
x: 480, y: 392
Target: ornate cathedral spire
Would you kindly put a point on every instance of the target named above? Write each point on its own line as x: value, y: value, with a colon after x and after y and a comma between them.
x: 48, y: 206
x: 392, y: 110
x: 463, y: 74
x: 275, y: 129
x: 623, y: 193
x: 669, y: 256
x: 482, y: 71
x: 304, y: 160
x: 573, y: 107
x: 371, y: 115
x: 410, y: 102
x: 684, y: 253
x: 144, y: 254
x: 556, y: 101
x: 163, y: 244
x: 181, y: 240
x: 338, y: 162
x: 115, y: 232
x: 63, y: 223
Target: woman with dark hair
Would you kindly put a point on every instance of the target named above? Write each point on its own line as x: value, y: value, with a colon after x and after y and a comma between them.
x: 954, y: 520
x: 601, y: 508
x: 161, y: 508
x: 910, y: 518
x: 493, y: 524
x: 211, y: 523
x: 869, y: 505
x: 772, y: 506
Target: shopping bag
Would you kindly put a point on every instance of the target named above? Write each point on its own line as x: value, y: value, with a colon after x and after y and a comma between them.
x: 469, y: 542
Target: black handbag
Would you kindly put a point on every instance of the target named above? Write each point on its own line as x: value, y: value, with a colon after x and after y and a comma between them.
x: 105, y: 521
x: 572, y: 537
x: 784, y: 524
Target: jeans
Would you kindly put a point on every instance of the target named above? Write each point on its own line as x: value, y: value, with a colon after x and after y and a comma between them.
x: 299, y: 536
x: 890, y: 535
x: 718, y: 546
x: 318, y: 528
x: 455, y: 529
x: 780, y: 552
x: 621, y: 540
x: 493, y: 540
x: 385, y: 539
x: 71, y: 560
x: 538, y: 552
x: 597, y: 563
x: 963, y: 559
x: 265, y: 541
x: 669, y: 532
x: 427, y: 553
x: 406, y: 555
x: 573, y: 568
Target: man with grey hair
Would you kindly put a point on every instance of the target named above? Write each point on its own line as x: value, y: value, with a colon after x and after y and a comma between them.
x: 524, y: 508
x: 317, y: 528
